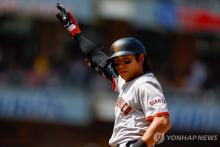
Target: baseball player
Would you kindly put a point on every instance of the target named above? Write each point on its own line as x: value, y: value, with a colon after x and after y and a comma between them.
x: 141, y: 108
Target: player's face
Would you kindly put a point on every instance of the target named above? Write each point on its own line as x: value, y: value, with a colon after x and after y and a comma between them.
x: 128, y: 67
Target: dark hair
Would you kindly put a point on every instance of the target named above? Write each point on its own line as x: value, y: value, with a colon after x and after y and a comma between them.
x: 145, y: 65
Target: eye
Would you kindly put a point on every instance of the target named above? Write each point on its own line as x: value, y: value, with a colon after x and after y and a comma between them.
x: 128, y: 62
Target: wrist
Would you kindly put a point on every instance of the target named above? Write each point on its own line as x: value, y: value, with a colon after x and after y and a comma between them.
x: 74, y: 31
x: 73, y: 28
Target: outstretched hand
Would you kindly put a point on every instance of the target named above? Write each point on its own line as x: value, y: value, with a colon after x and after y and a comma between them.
x: 68, y: 21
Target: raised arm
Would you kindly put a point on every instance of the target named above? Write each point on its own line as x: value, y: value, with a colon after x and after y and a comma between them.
x: 97, y: 58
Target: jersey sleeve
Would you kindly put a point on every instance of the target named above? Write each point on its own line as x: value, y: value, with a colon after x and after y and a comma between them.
x: 152, y: 101
x: 117, y: 83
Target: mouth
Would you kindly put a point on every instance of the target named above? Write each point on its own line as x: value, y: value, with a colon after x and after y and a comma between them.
x: 122, y: 72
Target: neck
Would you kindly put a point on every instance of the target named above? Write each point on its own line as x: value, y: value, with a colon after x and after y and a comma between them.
x: 136, y: 76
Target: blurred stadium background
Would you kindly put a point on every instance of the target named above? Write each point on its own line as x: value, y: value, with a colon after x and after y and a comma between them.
x: 50, y: 98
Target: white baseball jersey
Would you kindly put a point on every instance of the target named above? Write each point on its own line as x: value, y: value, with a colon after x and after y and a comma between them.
x: 139, y: 101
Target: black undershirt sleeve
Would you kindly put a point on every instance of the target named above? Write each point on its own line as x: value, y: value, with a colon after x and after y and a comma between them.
x: 97, y: 58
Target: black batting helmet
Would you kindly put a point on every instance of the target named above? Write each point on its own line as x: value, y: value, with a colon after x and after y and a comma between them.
x: 127, y: 46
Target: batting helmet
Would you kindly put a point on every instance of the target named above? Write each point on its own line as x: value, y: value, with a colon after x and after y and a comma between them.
x: 127, y: 46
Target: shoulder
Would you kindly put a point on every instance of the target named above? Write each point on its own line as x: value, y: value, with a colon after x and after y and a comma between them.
x: 147, y: 80
x: 147, y: 83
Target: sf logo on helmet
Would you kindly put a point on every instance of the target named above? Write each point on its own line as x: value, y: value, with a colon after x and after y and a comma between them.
x: 116, y: 48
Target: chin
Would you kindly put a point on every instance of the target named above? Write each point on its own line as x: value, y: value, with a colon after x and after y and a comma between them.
x: 126, y: 79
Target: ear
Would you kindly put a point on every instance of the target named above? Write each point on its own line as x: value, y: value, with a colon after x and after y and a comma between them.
x: 141, y: 58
